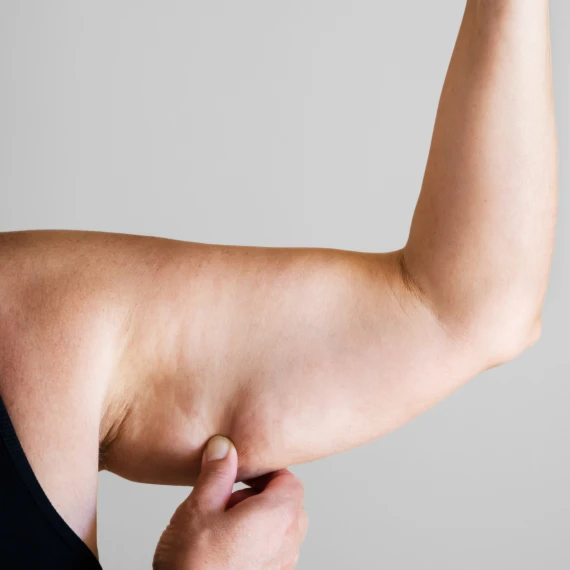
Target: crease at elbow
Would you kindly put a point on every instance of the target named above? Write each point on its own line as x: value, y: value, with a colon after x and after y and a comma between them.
x: 495, y: 330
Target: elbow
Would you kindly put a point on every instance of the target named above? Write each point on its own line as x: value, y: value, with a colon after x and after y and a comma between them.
x: 494, y: 320
x: 515, y: 339
x: 500, y: 336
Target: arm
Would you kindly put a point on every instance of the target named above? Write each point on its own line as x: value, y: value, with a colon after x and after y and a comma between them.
x: 482, y: 235
x: 296, y: 354
x: 299, y: 354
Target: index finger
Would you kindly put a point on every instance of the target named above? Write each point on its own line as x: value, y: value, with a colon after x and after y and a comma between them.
x: 281, y: 482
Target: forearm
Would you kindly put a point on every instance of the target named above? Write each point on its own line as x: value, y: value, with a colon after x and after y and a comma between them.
x: 482, y: 235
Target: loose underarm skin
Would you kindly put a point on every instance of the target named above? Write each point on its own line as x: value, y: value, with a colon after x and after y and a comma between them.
x: 299, y: 354
x: 296, y: 354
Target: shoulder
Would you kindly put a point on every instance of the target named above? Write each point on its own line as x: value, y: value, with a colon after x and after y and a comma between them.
x: 57, y: 364
x: 58, y: 322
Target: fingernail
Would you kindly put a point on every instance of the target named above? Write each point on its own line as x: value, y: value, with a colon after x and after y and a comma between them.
x: 218, y: 448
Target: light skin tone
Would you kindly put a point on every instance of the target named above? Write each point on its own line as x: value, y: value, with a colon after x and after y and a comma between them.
x: 257, y: 528
x: 153, y: 346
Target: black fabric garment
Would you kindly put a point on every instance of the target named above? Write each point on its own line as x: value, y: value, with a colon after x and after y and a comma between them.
x: 33, y: 535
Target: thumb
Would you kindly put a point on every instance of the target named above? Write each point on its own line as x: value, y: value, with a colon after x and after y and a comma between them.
x: 215, y: 483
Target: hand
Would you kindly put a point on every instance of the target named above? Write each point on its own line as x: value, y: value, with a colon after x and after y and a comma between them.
x: 259, y: 528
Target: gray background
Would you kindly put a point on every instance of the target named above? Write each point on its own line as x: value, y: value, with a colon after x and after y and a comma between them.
x: 301, y: 123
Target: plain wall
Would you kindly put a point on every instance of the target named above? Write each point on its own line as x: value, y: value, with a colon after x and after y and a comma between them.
x: 293, y: 123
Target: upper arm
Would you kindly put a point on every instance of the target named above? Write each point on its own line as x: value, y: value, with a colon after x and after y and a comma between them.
x: 294, y: 354
x: 335, y: 349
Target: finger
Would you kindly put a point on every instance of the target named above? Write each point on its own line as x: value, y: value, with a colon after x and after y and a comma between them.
x: 280, y: 487
x: 215, y: 483
x: 240, y: 496
x: 260, y: 483
x: 281, y: 484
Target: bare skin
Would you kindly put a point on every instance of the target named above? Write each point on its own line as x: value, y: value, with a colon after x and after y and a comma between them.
x: 256, y: 528
x: 128, y: 353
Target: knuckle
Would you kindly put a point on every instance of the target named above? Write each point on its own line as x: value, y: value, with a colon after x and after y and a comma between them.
x: 195, y: 503
x: 198, y: 505
x: 290, y: 517
x: 187, y: 516
x: 281, y: 516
